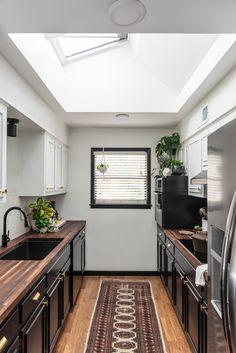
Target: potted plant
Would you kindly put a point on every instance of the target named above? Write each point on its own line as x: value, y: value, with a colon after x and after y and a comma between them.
x: 41, y: 213
x: 166, y: 150
x: 177, y: 167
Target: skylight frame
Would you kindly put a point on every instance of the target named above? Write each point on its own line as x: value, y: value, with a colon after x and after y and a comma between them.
x: 116, y: 39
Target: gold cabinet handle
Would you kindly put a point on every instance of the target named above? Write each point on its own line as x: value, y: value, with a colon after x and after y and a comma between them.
x: 3, y: 343
x: 204, y: 307
x: 62, y: 276
x: 45, y: 302
x: 36, y: 297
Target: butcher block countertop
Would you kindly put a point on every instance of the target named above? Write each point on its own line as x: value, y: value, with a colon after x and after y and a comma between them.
x: 18, y: 276
x: 175, y: 236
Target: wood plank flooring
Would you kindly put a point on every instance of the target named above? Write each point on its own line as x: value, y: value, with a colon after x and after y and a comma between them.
x: 73, y: 336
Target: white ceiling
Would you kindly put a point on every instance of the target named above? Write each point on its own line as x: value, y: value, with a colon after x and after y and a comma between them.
x: 182, y: 16
x: 155, y: 77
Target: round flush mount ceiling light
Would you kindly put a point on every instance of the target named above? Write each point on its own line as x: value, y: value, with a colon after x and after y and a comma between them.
x: 122, y: 116
x: 127, y: 12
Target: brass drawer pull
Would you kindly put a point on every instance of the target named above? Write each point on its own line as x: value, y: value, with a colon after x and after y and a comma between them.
x: 3, y: 343
x: 45, y: 302
x: 204, y: 307
x: 36, y: 297
x: 62, y: 276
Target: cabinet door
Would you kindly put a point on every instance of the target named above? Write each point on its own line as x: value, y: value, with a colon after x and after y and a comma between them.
x: 65, y: 290
x: 49, y: 164
x: 194, y: 165
x: 83, y: 254
x: 54, y: 314
x: 76, y: 267
x: 204, y: 317
x: 204, y: 152
x: 34, y: 332
x: 162, y: 261
x: 3, y: 149
x: 193, y: 316
x: 15, y: 347
x: 58, y: 166
x: 179, y: 293
x: 169, y: 271
x: 64, y: 167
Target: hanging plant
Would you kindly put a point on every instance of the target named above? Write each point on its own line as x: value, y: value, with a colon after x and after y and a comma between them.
x: 102, y: 167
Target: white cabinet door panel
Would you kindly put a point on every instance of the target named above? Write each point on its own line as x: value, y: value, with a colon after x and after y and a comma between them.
x: 194, y: 165
x: 64, y: 167
x: 49, y: 164
x: 58, y: 166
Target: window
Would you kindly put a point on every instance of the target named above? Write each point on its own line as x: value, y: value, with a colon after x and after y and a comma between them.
x: 69, y: 46
x: 126, y: 183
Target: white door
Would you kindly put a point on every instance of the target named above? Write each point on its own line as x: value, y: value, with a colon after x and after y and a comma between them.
x: 194, y: 165
x: 58, y: 166
x: 64, y: 167
x: 3, y: 152
x: 49, y: 163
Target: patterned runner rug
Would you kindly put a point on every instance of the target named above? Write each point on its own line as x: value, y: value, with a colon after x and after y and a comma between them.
x: 125, y: 320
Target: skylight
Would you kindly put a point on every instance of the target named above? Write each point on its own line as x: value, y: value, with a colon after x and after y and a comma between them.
x: 72, y: 46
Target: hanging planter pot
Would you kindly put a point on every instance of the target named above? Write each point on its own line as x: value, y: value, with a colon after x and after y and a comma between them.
x: 102, y: 168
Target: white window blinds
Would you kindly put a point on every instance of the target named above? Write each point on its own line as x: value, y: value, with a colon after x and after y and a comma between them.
x: 126, y: 179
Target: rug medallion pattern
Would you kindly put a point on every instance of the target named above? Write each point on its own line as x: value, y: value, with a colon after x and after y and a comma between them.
x: 125, y: 320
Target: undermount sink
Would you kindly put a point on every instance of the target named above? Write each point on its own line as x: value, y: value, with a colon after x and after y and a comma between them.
x: 188, y: 243
x: 32, y: 249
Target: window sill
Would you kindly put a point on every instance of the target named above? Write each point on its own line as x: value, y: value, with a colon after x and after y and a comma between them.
x: 124, y: 206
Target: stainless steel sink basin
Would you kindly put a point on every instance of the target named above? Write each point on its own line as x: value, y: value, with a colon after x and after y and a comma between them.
x: 32, y: 249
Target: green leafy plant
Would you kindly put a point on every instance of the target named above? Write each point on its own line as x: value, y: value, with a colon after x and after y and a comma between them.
x: 176, y: 162
x: 41, y: 212
x: 166, y: 150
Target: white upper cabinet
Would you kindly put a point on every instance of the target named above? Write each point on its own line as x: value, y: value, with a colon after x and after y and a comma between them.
x: 64, y: 167
x: 3, y: 149
x: 195, y: 165
x: 204, y: 152
x: 43, y: 168
x: 50, y: 163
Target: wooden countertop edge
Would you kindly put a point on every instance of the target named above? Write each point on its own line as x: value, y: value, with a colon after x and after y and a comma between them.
x: 32, y: 270
x: 174, y: 237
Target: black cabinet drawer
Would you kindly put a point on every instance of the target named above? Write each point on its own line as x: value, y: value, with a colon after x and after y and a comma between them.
x: 54, y: 271
x: 170, y: 246
x: 9, y: 331
x: 161, y: 235
x: 32, y: 300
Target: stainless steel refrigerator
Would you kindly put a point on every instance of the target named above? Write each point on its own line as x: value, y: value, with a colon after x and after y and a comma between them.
x: 222, y: 240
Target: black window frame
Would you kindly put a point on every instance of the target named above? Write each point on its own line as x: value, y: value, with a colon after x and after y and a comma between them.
x: 125, y: 205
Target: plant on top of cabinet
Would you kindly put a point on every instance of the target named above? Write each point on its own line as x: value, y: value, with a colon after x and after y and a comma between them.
x: 166, y: 150
x: 41, y: 214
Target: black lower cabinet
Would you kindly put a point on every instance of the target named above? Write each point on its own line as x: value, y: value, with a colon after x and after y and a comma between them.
x: 169, y: 274
x: 162, y: 266
x: 179, y: 292
x: 15, y: 347
x: 65, y: 289
x: 204, y: 317
x: 54, y: 321
x: 193, y: 316
x: 34, y: 332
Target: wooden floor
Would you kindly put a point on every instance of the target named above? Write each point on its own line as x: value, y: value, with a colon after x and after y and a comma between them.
x: 73, y: 336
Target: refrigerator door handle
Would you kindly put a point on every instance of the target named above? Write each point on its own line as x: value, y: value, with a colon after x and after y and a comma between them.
x: 227, y: 245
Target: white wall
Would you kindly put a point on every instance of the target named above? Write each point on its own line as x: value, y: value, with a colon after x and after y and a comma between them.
x: 117, y: 239
x: 14, y: 223
x: 17, y: 93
